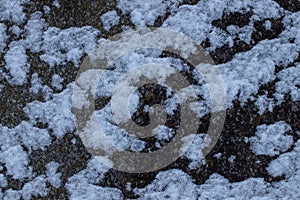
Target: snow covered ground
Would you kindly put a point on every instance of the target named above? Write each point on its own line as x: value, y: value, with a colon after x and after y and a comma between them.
x: 256, y: 47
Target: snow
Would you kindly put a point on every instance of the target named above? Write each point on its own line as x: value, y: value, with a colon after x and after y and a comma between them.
x: 12, y: 194
x: 8, y: 138
x: 74, y: 41
x: 56, y: 81
x: 12, y: 11
x: 217, y: 187
x: 3, y: 37
x: 34, y: 138
x: 16, y: 64
x: 56, y: 112
x: 3, y: 181
x: 248, y: 70
x: 242, y: 76
x: 117, y: 136
x: 35, y: 187
x: 264, y: 103
x: 83, y: 184
x: 16, y: 161
x: 162, y: 132
x: 16, y: 30
x: 231, y: 158
x: 289, y: 82
x: 36, y: 84
x: 56, y: 4
x: 271, y: 139
x: 192, y: 149
x: 145, y: 12
x: 110, y: 19
x: 175, y: 184
x: 34, y: 32
x: 53, y: 177
x: 83, y: 190
x: 46, y: 9
x: 171, y: 184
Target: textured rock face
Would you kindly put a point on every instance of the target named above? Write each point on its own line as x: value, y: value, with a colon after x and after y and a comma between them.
x: 254, y: 44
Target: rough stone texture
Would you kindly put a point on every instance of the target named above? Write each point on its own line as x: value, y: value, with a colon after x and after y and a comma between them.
x: 241, y: 121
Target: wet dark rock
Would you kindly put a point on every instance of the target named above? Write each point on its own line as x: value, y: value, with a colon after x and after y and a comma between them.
x: 236, y: 18
x: 72, y: 157
x: 290, y: 5
x: 225, y: 53
x: 241, y: 121
x: 261, y: 33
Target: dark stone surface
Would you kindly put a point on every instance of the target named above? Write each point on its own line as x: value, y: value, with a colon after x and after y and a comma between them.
x: 241, y: 121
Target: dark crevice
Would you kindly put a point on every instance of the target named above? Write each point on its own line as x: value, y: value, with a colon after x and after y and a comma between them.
x: 72, y: 157
x: 226, y: 53
x: 290, y: 5
x: 235, y: 18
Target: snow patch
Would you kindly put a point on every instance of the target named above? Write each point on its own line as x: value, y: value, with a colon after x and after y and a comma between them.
x: 110, y: 19
x: 16, y: 64
x: 271, y: 139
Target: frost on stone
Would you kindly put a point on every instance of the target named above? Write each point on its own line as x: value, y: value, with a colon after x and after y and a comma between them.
x: 93, y: 173
x: 35, y: 187
x: 171, y: 184
x: 110, y: 19
x: 83, y: 185
x: 56, y: 81
x: 82, y: 190
x: 175, y: 184
x: 34, y: 32
x: 264, y: 103
x: 192, y: 149
x: 3, y: 181
x: 106, y: 86
x: 8, y: 138
x: 163, y: 133
x: 36, y: 83
x: 120, y: 138
x: 55, y: 112
x: 56, y: 4
x: 231, y: 158
x: 289, y: 82
x: 12, y: 11
x: 271, y: 139
x: 185, y: 21
x: 195, y: 21
x: 16, y: 63
x: 3, y: 37
x: 52, y: 176
x: 34, y: 138
x: 217, y: 187
x: 144, y: 12
x: 247, y: 71
x: 287, y: 164
x: 292, y: 28
x: 171, y: 105
x: 38, y: 87
x: 16, y: 161
x: 243, y: 76
x: 12, y: 194
x: 16, y: 30
x: 60, y: 46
